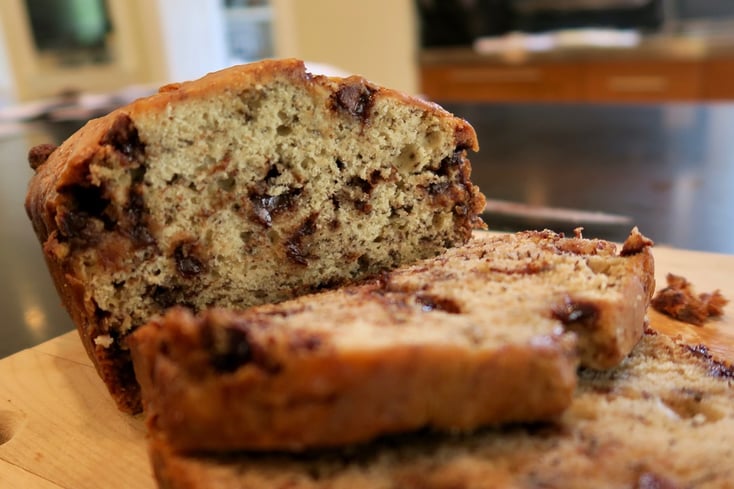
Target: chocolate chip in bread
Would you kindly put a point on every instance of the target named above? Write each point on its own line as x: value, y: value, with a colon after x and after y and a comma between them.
x: 664, y: 418
x: 486, y: 333
x: 251, y: 185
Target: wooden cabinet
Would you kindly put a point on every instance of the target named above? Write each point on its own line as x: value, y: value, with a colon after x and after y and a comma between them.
x: 541, y: 82
x: 587, y: 80
x: 642, y: 81
x: 719, y: 76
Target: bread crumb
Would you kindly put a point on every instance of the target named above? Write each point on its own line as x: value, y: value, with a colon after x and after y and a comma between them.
x: 635, y: 243
x: 679, y: 301
x: 104, y: 340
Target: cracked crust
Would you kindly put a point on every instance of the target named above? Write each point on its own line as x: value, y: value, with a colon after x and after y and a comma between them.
x: 251, y: 185
x: 483, y: 334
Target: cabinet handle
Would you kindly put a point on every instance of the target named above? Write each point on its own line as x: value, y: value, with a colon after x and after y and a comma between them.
x: 522, y: 75
x: 640, y: 83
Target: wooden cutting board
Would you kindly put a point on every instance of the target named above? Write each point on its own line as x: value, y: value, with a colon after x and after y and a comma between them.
x: 59, y: 428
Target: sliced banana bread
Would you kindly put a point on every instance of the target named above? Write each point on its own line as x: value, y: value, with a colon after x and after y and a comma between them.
x: 663, y: 419
x: 483, y: 334
x: 252, y: 185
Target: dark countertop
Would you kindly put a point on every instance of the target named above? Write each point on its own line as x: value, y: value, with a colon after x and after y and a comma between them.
x: 668, y: 169
x: 31, y: 309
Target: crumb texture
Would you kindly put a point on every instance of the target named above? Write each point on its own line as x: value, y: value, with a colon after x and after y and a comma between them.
x: 485, y: 333
x: 662, y: 419
x: 252, y: 185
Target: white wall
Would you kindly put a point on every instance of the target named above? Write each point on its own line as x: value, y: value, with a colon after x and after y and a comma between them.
x: 7, y: 89
x: 166, y: 40
x: 193, y: 36
x: 375, y: 38
x: 185, y: 39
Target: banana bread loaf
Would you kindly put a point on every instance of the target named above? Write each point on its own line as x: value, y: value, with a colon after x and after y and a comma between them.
x: 663, y: 419
x: 483, y: 334
x: 252, y: 185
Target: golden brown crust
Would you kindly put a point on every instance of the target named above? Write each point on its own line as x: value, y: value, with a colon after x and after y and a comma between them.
x: 662, y: 419
x: 609, y: 344
x: 476, y: 336
x: 293, y: 399
x: 92, y: 213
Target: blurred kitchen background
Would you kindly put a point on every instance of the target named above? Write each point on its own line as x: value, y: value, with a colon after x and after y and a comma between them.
x: 498, y: 50
x: 597, y: 113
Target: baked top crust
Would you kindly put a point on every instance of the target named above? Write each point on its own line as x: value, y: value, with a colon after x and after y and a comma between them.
x: 664, y: 418
x: 251, y: 185
x: 487, y: 333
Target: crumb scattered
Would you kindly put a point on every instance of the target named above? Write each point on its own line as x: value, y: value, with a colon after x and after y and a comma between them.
x: 104, y: 340
x: 679, y: 301
x: 635, y: 243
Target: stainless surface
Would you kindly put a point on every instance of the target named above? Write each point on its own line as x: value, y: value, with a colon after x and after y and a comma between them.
x: 669, y: 169
x: 31, y: 309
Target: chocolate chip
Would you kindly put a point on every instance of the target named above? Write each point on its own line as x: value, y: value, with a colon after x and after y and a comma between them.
x: 233, y: 346
x: 295, y: 253
x: 582, y: 313
x: 363, y: 206
x: 356, y: 98
x: 305, y: 341
x: 38, y: 155
x: 123, y: 137
x: 188, y: 266
x: 233, y: 352
x: 283, y: 310
x: 187, y: 263
x: 450, y: 163
x: 89, y: 199
x: 364, y: 263
x: 701, y: 351
x: 265, y: 207
x: 80, y: 226
x: 272, y: 173
x: 294, y: 247
x: 375, y: 177
x: 163, y: 296
x: 85, y: 217
x: 434, y: 303
x: 360, y: 183
x: 453, y: 184
x: 166, y: 297
x: 716, y: 368
x: 335, y: 202
x: 439, y: 188
x: 134, y: 223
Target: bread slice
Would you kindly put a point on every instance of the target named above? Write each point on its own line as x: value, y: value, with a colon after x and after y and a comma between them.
x: 252, y: 185
x: 484, y: 334
x: 663, y: 419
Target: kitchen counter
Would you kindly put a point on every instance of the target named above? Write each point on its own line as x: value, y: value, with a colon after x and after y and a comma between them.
x: 667, y: 168
x: 657, y: 47
x: 60, y: 429
x: 653, y: 68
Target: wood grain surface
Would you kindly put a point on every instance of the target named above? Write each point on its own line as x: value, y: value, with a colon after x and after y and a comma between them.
x: 59, y: 428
